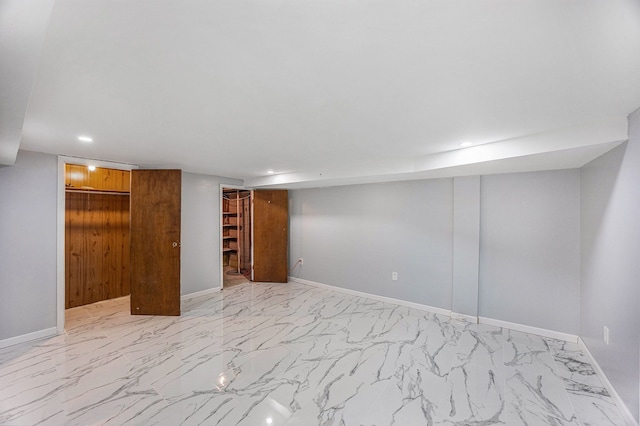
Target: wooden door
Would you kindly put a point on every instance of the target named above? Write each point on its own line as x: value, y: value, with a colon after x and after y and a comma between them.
x: 270, y: 235
x: 155, y: 242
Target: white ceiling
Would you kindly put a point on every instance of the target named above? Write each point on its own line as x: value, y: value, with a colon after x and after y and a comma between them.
x: 321, y: 91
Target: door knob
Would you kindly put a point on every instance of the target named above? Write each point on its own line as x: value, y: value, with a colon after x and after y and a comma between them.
x: 174, y: 244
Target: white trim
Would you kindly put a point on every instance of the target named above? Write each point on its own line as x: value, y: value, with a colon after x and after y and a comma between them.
x: 253, y: 234
x: 206, y: 292
x: 47, y: 332
x: 529, y: 329
x: 418, y: 306
x: 464, y: 317
x: 60, y: 227
x: 607, y: 384
x: 454, y: 315
x: 98, y: 163
x: 60, y: 253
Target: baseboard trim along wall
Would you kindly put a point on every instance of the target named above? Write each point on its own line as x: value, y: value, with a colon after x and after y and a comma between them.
x: 464, y: 317
x: 418, y: 306
x: 454, y: 315
x: 529, y: 329
x: 607, y: 384
x: 206, y: 292
x: 40, y: 334
x: 53, y: 331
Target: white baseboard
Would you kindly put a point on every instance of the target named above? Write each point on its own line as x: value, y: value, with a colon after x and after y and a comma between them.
x: 208, y: 291
x: 40, y: 334
x: 53, y: 331
x: 464, y: 317
x: 529, y: 329
x: 454, y: 315
x: 631, y: 421
x: 418, y: 306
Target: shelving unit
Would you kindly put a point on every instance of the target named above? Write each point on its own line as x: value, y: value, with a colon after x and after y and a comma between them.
x: 236, y: 230
x: 230, y: 229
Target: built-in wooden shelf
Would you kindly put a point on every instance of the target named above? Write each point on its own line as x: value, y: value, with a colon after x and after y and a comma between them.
x: 79, y: 177
x: 94, y: 191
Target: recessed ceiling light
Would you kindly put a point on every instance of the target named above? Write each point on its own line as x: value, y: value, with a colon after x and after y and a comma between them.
x: 87, y: 139
x: 91, y: 168
x: 270, y: 172
x: 466, y: 144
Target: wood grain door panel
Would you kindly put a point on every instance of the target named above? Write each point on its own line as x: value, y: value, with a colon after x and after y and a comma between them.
x: 270, y: 235
x: 155, y: 242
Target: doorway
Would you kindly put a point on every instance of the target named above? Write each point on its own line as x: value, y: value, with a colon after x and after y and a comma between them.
x: 159, y: 205
x: 63, y: 161
x: 254, y: 233
x: 236, y: 236
x: 97, y: 237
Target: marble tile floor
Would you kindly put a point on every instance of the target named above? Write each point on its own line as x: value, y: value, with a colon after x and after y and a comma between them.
x: 290, y: 354
x: 230, y: 277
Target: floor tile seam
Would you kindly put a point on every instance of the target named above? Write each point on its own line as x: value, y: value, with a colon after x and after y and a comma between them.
x: 576, y: 415
x: 47, y: 359
x: 129, y: 360
x: 508, y: 396
x: 160, y: 395
x: 73, y: 331
x: 573, y: 396
x: 554, y: 372
x: 110, y: 330
x: 108, y: 334
x: 86, y: 311
x: 571, y: 376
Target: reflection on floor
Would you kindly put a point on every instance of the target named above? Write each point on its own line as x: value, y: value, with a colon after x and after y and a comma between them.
x: 275, y: 354
x: 232, y: 277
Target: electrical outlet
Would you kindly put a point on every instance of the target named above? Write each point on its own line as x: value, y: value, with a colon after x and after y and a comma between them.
x: 606, y: 335
x: 301, y: 260
x: 394, y: 276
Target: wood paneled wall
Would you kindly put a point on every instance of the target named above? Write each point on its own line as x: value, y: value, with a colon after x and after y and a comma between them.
x: 79, y: 177
x: 97, y: 238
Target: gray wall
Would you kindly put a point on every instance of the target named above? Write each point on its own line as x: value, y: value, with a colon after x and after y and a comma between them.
x: 529, y: 266
x: 28, y: 244
x: 530, y: 249
x: 611, y: 263
x: 466, y: 245
x: 355, y: 236
x: 200, y: 232
x: 28, y: 240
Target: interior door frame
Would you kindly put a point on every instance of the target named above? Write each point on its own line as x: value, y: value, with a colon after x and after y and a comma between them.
x: 220, y: 232
x: 60, y: 228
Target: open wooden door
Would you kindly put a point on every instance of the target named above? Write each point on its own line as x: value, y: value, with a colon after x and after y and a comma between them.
x: 270, y: 235
x: 155, y: 242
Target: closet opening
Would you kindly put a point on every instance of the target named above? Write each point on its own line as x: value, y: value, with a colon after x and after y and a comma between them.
x: 97, y: 234
x: 254, y: 235
x: 236, y: 236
